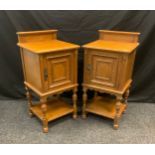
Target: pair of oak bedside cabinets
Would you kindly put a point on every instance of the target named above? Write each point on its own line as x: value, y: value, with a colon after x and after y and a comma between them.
x: 50, y: 68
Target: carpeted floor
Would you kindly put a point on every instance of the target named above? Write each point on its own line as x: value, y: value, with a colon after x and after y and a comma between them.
x: 136, y: 126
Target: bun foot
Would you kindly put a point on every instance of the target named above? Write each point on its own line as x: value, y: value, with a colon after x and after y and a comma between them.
x: 125, y: 109
x: 74, y: 116
x: 31, y: 114
x: 45, y: 130
x: 116, y: 126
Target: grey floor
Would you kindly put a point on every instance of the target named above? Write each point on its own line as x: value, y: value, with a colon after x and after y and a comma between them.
x: 136, y: 126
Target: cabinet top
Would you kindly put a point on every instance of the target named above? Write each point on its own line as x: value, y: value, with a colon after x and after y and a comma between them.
x: 115, y: 41
x: 113, y: 46
x: 47, y: 46
x: 37, y: 32
x: 42, y: 41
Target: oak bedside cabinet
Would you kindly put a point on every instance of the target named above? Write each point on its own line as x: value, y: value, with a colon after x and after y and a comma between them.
x: 50, y: 68
x: 108, y: 65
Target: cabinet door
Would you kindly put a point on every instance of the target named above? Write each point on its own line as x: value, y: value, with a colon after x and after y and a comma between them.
x: 101, y: 68
x: 59, y: 69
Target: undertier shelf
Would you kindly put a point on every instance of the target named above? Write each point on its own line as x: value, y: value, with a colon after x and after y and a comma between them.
x: 104, y: 106
x: 55, y: 108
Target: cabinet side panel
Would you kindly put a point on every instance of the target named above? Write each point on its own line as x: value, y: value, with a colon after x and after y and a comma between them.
x: 123, y: 71
x: 23, y: 64
x: 32, y: 69
x: 85, y: 75
x: 131, y: 60
x: 75, y: 69
x: 128, y: 63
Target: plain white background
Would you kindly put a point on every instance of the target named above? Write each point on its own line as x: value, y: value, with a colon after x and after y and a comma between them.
x: 77, y: 4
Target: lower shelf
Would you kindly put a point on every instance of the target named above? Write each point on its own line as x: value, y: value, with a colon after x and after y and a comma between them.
x: 105, y: 107
x: 55, y: 109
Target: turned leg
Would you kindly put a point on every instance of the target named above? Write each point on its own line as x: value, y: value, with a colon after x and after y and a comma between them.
x: 29, y: 98
x: 74, y: 98
x: 43, y: 101
x: 126, y: 95
x: 84, y: 102
x: 116, y: 119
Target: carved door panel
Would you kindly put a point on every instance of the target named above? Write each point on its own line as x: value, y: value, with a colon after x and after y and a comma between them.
x: 102, y: 68
x: 59, y: 70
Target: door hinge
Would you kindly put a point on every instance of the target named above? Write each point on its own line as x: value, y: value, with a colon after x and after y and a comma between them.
x: 45, y: 74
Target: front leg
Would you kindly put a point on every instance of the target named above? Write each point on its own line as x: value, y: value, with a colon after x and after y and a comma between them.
x: 84, y: 103
x: 29, y: 98
x: 74, y: 98
x: 117, y: 116
x: 43, y: 101
x: 126, y: 95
